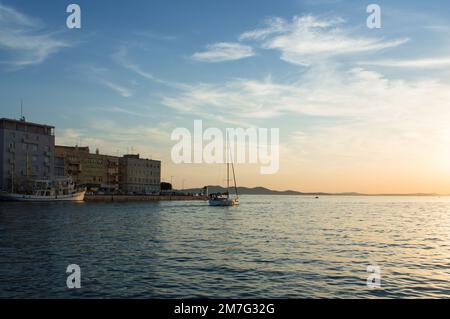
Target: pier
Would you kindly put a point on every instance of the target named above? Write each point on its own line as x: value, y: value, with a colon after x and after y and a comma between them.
x: 143, y: 198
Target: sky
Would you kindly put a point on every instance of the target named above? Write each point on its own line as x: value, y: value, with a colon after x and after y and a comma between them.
x: 358, y: 109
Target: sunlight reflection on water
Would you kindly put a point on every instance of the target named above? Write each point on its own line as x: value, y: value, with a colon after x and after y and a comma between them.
x: 269, y: 246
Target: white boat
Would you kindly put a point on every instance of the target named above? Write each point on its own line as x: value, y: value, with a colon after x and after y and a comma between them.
x: 226, y: 199
x: 59, y: 189
x: 223, y: 201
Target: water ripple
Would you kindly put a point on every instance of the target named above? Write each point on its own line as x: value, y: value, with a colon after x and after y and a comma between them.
x: 269, y: 247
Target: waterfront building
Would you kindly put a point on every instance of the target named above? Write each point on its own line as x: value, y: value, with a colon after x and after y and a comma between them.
x: 139, y: 176
x: 26, y: 153
x: 95, y: 171
x: 59, y: 167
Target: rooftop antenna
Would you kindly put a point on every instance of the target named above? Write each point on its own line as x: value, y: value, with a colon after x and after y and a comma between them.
x: 22, y: 118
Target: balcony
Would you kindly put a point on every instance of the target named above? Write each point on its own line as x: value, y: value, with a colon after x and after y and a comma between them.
x: 28, y: 141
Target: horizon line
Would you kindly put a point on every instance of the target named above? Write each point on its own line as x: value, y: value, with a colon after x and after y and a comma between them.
x: 329, y: 193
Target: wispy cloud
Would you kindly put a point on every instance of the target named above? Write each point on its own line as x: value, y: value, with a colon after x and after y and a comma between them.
x: 123, y: 91
x: 23, y: 38
x: 104, y: 77
x: 318, y: 93
x: 414, y: 63
x: 121, y: 58
x: 224, y: 51
x: 356, y: 95
x: 273, y: 26
x: 308, y: 38
x: 126, y: 111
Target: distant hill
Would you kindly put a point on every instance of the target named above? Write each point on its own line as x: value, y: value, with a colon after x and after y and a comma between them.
x: 266, y: 191
x: 256, y: 191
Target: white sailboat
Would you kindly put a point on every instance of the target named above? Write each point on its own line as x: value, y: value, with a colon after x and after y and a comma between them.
x: 226, y: 199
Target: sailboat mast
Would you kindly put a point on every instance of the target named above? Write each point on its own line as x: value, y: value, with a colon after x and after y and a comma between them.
x: 234, y: 178
x: 230, y: 158
x: 228, y: 176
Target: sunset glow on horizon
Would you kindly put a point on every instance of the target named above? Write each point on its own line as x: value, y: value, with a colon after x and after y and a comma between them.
x: 358, y: 109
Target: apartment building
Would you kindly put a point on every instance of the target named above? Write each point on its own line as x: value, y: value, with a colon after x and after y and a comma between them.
x: 95, y: 171
x: 139, y: 176
x: 27, y: 153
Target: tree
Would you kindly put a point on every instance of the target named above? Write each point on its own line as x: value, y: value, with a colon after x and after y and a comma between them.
x: 166, y: 186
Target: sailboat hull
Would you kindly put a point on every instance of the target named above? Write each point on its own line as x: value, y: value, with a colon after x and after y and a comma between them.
x: 223, y: 202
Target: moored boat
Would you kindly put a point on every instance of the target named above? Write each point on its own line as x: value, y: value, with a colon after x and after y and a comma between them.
x: 59, y: 189
x: 226, y: 199
x: 223, y: 201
